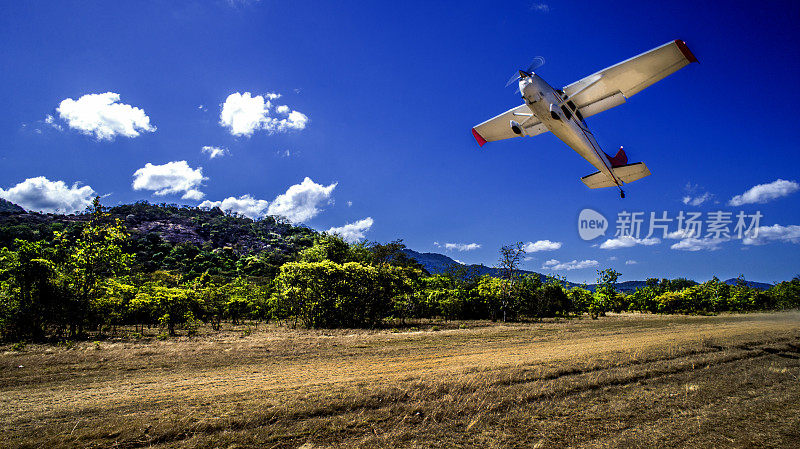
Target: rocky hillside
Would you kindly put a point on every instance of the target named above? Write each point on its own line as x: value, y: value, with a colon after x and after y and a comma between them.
x: 180, y: 238
x: 10, y: 208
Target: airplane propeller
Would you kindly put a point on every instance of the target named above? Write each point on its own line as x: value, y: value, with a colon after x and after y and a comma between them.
x: 537, y: 62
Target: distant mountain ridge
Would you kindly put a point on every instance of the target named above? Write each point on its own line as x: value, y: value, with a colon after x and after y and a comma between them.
x: 437, y: 263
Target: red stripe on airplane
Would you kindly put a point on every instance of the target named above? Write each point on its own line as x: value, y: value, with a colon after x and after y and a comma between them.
x: 478, y: 137
x: 685, y: 50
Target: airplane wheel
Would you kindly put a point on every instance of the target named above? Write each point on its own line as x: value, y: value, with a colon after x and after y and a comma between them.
x: 622, y: 194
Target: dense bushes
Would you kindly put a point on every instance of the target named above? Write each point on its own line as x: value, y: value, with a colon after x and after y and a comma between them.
x: 328, y: 294
x: 92, y: 278
x: 715, y: 296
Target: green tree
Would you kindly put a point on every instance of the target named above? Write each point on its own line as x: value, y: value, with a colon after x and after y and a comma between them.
x: 27, y: 291
x: 331, y: 248
x: 491, y: 291
x: 172, y: 306
x: 606, y: 296
x: 510, y: 258
x: 94, y: 256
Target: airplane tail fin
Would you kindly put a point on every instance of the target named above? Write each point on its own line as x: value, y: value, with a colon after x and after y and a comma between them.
x: 619, y: 159
x: 626, y: 173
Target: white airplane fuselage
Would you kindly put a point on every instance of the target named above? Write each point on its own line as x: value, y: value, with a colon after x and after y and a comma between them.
x: 564, y: 122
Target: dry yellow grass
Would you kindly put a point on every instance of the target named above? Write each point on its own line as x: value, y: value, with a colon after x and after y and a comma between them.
x: 628, y: 380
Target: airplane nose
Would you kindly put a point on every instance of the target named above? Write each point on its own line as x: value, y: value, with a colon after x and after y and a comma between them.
x: 527, y: 90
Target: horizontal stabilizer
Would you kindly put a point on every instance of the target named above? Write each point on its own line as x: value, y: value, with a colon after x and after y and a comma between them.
x: 625, y: 173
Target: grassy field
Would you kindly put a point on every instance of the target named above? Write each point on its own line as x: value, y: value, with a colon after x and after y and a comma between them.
x: 623, y: 380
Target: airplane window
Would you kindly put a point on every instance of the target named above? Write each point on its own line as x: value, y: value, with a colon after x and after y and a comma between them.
x: 571, y: 105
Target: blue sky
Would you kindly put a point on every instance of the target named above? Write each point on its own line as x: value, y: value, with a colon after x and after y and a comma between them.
x: 376, y: 105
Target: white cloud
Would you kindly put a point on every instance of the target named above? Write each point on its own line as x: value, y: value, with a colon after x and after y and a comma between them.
x: 102, y: 116
x: 214, y: 152
x: 682, y: 234
x: 301, y: 201
x: 50, y: 120
x: 244, y: 114
x: 245, y: 205
x: 555, y: 265
x: 349, y: 203
x: 460, y: 246
x: 41, y: 194
x: 693, y: 196
x: 627, y: 242
x: 790, y: 233
x: 697, y: 200
x: 193, y: 194
x: 541, y: 7
x: 541, y: 245
x: 763, y: 193
x: 171, y: 178
x: 353, y: 232
x: 695, y: 244
x: 631, y: 262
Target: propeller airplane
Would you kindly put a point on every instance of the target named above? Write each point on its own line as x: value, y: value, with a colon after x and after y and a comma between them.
x: 563, y: 111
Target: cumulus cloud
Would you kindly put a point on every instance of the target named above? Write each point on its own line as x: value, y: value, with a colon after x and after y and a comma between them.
x: 555, y: 265
x: 631, y: 262
x: 174, y: 177
x: 458, y: 246
x: 214, y: 152
x: 774, y: 233
x: 353, y: 232
x: 41, y: 194
x: 104, y: 117
x: 541, y: 245
x: 245, y: 205
x: 695, y: 244
x: 301, y: 201
x: 244, y: 114
x: 763, y: 193
x: 628, y: 241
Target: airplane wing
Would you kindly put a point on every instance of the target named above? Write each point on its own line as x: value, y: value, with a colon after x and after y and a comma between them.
x: 499, y: 127
x: 610, y: 87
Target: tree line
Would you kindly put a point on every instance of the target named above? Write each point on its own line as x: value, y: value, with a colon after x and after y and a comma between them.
x: 90, y: 279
